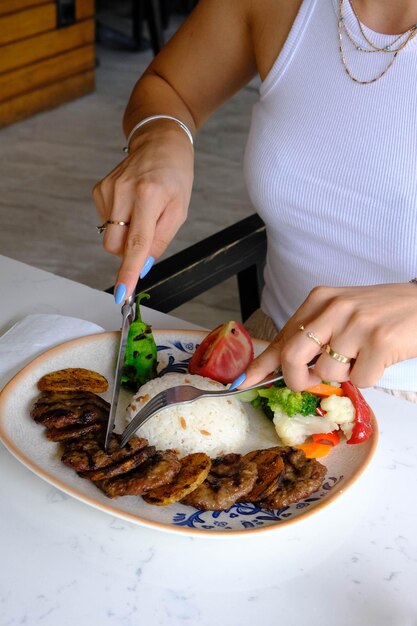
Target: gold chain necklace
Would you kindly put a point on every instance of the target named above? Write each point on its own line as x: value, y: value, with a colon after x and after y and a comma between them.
x: 387, y: 49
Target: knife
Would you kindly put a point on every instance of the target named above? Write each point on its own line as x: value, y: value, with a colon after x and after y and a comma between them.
x: 127, y: 313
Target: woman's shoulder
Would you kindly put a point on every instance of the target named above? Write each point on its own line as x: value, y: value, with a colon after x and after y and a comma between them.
x: 271, y: 22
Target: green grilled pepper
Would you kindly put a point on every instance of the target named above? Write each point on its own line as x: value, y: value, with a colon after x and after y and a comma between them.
x: 141, y: 357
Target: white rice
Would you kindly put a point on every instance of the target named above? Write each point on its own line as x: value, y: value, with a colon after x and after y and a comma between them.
x: 211, y: 425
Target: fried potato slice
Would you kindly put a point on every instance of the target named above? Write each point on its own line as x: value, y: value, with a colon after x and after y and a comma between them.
x: 73, y: 379
x: 194, y: 470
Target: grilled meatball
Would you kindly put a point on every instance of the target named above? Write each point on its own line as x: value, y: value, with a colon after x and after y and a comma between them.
x: 301, y: 478
x: 230, y: 479
x: 121, y: 467
x: 158, y: 471
x: 61, y: 435
x: 69, y: 415
x: 270, y: 467
x: 69, y: 408
x: 84, y: 455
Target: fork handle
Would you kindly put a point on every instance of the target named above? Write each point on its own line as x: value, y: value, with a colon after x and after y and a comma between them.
x: 262, y: 383
x: 222, y: 393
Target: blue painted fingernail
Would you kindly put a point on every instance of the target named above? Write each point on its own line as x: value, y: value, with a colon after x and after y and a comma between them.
x: 120, y: 293
x: 147, y: 266
x: 237, y: 381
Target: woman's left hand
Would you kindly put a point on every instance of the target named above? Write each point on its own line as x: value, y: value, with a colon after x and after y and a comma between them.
x: 373, y: 327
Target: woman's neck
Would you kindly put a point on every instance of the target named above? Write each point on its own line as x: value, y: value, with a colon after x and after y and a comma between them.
x: 387, y: 16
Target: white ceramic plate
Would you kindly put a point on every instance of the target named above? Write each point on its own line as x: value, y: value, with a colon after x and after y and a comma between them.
x: 26, y: 441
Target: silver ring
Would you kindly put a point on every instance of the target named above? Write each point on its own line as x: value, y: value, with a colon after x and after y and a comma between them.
x: 340, y: 358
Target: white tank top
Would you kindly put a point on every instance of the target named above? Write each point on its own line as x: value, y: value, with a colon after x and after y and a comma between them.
x: 331, y: 166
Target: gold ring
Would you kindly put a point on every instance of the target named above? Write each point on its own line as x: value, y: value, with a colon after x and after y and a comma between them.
x: 103, y: 226
x: 340, y: 358
x: 314, y: 337
x: 311, y: 335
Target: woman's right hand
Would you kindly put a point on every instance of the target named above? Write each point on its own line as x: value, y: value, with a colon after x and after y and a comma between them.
x: 209, y: 58
x: 151, y: 190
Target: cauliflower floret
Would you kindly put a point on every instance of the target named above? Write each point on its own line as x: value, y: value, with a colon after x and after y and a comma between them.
x: 294, y: 430
x: 340, y: 409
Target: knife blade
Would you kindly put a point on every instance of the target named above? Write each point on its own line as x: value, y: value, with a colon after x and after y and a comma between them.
x: 127, y: 313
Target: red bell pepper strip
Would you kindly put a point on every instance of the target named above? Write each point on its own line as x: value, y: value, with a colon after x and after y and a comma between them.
x: 362, y: 428
x: 328, y: 438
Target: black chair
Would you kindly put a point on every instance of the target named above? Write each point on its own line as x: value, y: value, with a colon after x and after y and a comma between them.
x: 152, y: 16
x: 238, y: 250
x: 150, y: 13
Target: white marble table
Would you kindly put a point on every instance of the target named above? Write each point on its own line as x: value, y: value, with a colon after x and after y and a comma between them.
x: 64, y: 563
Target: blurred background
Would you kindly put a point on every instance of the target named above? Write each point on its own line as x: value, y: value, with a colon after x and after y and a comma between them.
x: 66, y: 71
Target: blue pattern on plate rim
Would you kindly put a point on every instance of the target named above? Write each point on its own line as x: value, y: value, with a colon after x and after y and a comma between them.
x: 175, y: 365
x: 247, y: 514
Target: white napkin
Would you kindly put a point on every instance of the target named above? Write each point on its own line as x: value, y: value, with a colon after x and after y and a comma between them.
x: 35, y: 334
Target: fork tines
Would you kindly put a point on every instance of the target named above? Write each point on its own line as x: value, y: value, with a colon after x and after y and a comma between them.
x: 154, y: 405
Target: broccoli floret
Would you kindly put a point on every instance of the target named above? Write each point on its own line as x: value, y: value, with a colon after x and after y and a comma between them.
x: 262, y: 403
x: 291, y: 402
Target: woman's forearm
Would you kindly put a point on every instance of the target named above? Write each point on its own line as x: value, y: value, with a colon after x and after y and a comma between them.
x: 153, y: 95
x: 208, y: 59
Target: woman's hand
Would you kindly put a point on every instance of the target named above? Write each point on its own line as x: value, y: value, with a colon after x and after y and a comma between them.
x: 151, y: 190
x: 373, y: 326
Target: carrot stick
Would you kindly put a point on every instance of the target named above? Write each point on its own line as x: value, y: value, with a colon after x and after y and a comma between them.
x: 322, y: 389
x: 314, y: 450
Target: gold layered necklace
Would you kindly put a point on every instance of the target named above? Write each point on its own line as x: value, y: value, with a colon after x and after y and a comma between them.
x: 397, y: 44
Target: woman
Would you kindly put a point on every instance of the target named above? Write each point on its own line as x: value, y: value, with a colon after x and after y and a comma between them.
x: 330, y: 165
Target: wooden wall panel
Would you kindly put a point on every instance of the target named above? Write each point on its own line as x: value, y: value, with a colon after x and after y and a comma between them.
x: 47, y: 45
x: 41, y: 65
x: 22, y: 24
x: 46, y: 98
x: 46, y: 72
x: 84, y: 9
x: 11, y: 6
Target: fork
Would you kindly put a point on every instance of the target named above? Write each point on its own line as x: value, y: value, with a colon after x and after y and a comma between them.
x: 181, y: 394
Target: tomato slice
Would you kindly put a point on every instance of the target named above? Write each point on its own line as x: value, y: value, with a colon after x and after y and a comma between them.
x: 223, y: 354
